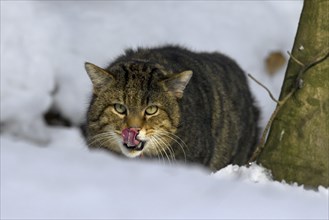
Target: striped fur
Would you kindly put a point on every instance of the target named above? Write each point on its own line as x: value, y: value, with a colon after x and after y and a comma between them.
x: 214, y: 123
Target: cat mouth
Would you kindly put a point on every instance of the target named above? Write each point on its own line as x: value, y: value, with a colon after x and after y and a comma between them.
x: 137, y: 147
x: 130, y: 139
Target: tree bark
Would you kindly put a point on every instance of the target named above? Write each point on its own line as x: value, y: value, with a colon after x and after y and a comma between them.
x: 297, y: 147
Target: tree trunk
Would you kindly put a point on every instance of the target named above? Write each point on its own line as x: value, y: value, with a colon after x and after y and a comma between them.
x: 297, y: 148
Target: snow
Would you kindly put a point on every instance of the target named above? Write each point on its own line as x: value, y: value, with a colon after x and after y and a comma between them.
x: 65, y: 181
x: 48, y: 172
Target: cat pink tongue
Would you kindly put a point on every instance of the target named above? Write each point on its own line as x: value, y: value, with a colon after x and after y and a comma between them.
x: 129, y: 136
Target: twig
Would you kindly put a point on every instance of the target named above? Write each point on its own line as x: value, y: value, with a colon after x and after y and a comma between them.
x: 280, y: 103
x: 308, y: 66
x: 261, y: 143
x: 295, y: 59
x: 262, y: 140
x: 259, y: 83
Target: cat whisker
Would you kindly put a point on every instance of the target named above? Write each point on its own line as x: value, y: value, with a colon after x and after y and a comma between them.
x: 102, y: 138
x: 176, y: 139
x: 149, y: 151
x: 97, y: 138
x: 162, y: 148
x: 167, y: 146
x: 151, y: 142
x: 156, y: 146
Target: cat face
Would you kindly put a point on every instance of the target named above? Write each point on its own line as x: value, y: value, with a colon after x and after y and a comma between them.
x: 135, y: 108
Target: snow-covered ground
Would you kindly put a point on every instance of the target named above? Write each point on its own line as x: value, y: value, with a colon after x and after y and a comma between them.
x: 65, y: 181
x: 48, y: 173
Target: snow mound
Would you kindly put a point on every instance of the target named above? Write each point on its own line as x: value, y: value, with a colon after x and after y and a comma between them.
x: 66, y: 181
x: 254, y: 173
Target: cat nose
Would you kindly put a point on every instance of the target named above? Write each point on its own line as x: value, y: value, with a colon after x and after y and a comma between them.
x: 134, y: 122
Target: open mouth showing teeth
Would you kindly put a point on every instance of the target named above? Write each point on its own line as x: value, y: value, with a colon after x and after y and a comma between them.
x: 138, y: 147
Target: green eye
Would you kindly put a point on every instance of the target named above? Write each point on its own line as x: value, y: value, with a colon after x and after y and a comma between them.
x: 151, y: 110
x: 121, y: 109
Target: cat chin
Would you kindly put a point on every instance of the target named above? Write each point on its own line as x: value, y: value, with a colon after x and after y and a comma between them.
x: 130, y: 153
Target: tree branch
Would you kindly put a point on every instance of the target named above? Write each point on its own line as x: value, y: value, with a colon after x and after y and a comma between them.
x: 262, y: 85
x: 280, y: 103
x: 295, y: 59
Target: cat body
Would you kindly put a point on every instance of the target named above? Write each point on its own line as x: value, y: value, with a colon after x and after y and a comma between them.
x: 169, y: 102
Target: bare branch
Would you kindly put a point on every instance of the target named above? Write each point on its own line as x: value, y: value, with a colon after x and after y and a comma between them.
x: 295, y: 59
x: 261, y: 143
x: 269, y: 92
x: 319, y: 59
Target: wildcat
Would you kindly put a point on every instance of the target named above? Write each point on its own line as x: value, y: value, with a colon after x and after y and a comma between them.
x: 169, y: 102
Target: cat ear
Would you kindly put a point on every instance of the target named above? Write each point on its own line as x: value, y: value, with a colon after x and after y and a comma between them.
x: 177, y: 83
x: 97, y: 75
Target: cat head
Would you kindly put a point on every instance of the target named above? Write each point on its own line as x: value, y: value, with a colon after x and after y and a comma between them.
x: 135, y: 107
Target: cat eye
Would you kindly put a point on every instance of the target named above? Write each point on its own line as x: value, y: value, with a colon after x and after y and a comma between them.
x: 121, y: 109
x: 151, y: 110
